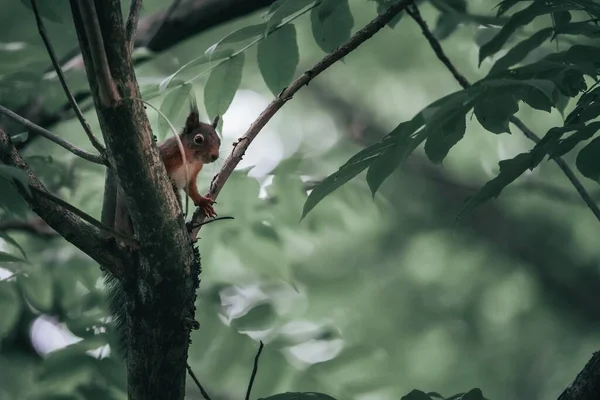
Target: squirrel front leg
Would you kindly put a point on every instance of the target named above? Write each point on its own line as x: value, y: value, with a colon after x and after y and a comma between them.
x: 205, y: 203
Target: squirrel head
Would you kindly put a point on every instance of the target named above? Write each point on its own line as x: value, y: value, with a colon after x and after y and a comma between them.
x: 201, y: 138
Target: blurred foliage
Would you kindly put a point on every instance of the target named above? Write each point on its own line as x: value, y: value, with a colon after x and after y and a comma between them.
x: 374, y: 293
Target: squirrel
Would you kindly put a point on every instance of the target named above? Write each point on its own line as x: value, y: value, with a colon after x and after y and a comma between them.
x: 201, y: 146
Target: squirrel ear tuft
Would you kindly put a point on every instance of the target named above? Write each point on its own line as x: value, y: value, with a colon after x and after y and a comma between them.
x: 215, y: 122
x: 193, y: 121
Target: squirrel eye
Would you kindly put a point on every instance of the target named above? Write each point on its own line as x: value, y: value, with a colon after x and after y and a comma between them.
x: 198, y: 139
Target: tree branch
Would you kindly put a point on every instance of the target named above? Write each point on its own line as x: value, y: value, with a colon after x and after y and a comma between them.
x: 236, y: 155
x: 132, y: 22
x: 587, y: 383
x: 85, y: 237
x: 161, y: 288
x: 97, y: 159
x: 439, y: 52
x: 106, y: 85
x: 63, y: 82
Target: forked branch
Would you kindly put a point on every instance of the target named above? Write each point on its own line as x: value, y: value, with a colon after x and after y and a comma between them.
x: 236, y: 155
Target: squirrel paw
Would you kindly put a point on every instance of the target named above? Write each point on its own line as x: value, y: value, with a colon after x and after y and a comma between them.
x: 206, y: 205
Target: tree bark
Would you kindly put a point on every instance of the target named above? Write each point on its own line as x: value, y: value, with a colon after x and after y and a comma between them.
x: 160, y: 287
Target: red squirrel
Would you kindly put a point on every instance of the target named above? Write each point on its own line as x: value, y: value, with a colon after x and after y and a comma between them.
x: 201, y: 145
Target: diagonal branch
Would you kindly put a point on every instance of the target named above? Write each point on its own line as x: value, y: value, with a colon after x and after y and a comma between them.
x: 97, y: 159
x: 85, y: 237
x: 106, y: 85
x: 439, y: 52
x: 236, y: 155
x: 63, y: 82
x: 132, y: 23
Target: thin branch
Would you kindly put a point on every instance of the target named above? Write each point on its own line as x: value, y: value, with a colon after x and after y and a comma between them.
x: 95, y: 158
x: 106, y: 85
x: 197, y: 382
x: 63, y: 82
x: 190, y: 227
x: 236, y: 155
x: 84, y: 236
x: 254, y: 370
x: 439, y: 52
x: 132, y: 22
x: 586, y: 385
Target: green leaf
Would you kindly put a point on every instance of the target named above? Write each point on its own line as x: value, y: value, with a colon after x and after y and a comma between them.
x: 285, y: 8
x: 561, y: 19
x: 390, y: 159
x: 521, y: 50
x: 222, y: 85
x: 8, y: 239
x: 15, y: 174
x: 584, y: 28
x: 587, y: 161
x: 443, y: 137
x: 333, y: 30
x: 299, y: 396
x: 278, y: 58
x: 11, y: 201
x: 10, y: 308
x: 326, y: 8
x: 509, y: 171
x: 568, y: 144
x: 189, y: 66
x: 245, y: 33
x: 38, y: 288
x: 445, y: 25
x: 416, y: 395
x: 382, y: 6
x: 333, y: 182
x: 506, y: 5
x: 47, y: 9
x: 473, y: 394
x: 494, y: 111
x: 174, y: 108
x: 516, y: 21
x: 20, y: 137
x: 9, y: 258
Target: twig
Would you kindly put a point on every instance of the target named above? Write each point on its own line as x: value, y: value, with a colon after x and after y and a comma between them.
x: 106, y: 84
x: 132, y: 22
x: 236, y: 155
x: 197, y: 382
x: 95, y: 158
x: 63, y: 82
x: 562, y: 164
x: 439, y: 52
x: 254, y: 370
x: 190, y: 226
